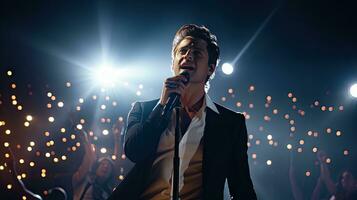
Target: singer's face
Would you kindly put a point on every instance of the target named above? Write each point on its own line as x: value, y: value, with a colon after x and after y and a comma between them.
x: 191, y: 55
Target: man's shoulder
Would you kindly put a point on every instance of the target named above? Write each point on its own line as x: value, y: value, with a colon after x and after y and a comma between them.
x: 150, y: 104
x: 225, y: 111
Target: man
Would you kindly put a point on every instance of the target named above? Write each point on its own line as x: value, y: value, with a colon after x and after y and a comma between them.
x: 213, y: 147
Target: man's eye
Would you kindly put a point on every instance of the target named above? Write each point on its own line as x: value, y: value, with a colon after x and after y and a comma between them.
x: 197, y: 52
x: 183, y: 51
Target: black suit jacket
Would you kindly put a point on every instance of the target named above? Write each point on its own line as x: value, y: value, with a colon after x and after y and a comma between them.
x: 224, y: 152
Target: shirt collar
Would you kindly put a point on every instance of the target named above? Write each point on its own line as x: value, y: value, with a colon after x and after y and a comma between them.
x: 210, y: 104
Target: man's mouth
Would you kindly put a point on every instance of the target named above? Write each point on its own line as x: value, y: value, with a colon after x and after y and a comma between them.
x: 189, y: 68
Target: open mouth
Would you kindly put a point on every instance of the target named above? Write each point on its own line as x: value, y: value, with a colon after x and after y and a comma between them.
x: 186, y: 67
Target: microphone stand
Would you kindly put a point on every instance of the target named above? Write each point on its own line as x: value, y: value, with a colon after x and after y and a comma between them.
x: 174, y: 103
x: 176, y: 160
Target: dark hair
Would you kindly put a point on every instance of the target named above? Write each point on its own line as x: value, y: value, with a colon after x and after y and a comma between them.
x: 200, y: 32
x: 96, y: 165
x: 340, y: 191
x: 340, y: 175
x: 108, y: 184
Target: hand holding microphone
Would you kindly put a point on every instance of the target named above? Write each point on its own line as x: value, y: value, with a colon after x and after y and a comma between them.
x: 172, y: 90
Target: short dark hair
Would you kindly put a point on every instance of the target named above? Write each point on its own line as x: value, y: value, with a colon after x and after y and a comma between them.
x: 200, y: 32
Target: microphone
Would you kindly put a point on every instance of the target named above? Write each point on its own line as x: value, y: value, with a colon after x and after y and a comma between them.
x: 174, y: 99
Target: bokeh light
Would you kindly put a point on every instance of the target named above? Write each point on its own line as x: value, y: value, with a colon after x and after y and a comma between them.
x: 227, y: 68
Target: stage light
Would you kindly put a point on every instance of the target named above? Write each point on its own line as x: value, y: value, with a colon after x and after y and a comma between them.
x: 345, y: 152
x: 6, y: 144
x: 60, y: 104
x: 29, y: 118
x: 103, y: 150
x: 314, y: 149
x: 308, y: 173
x: 107, y: 76
x: 79, y: 126
x: 353, y: 90
x: 269, y: 162
x: 51, y: 119
x: 105, y: 132
x: 254, y: 156
x: 227, y: 68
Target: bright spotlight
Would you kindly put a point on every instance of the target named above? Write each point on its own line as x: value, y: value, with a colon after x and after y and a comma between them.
x: 106, y: 76
x: 353, y: 90
x: 227, y: 68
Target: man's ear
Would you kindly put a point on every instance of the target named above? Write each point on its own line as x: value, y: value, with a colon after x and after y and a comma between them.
x: 211, y: 69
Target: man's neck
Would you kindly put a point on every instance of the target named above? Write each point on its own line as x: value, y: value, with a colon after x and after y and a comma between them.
x: 193, y: 96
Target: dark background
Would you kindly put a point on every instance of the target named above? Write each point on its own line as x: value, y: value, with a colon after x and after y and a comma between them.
x: 307, y: 48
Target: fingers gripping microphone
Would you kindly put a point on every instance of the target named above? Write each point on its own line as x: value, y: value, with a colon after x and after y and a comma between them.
x: 174, y: 98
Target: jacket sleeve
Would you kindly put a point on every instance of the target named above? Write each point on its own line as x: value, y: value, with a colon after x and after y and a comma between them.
x: 239, y: 181
x: 142, y: 135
